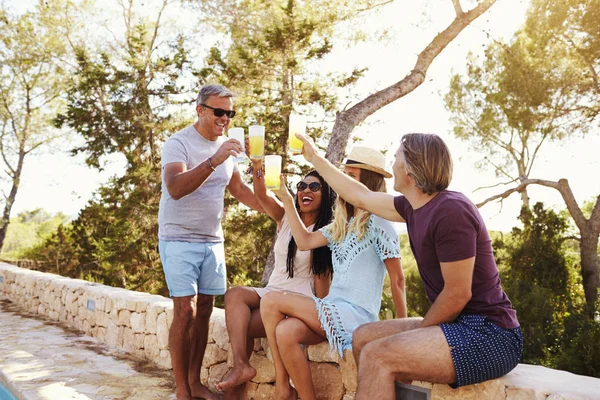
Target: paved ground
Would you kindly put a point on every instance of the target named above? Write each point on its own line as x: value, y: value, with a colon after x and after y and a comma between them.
x: 40, y: 360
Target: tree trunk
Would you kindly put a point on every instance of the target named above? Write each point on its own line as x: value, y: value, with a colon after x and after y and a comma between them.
x: 348, y: 119
x: 589, y: 230
x: 588, y: 250
x: 10, y: 200
x: 269, y: 265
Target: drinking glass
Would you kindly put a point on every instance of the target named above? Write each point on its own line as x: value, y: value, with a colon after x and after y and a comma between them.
x: 273, y: 172
x: 297, y: 125
x: 238, y: 134
x: 257, y: 141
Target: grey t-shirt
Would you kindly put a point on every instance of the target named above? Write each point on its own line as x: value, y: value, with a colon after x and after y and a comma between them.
x: 197, y: 216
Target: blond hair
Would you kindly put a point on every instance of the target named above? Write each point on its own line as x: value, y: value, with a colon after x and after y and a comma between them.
x: 343, y: 210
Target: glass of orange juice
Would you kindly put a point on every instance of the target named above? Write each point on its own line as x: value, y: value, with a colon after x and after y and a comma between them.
x: 256, y: 133
x: 297, y: 125
x: 273, y: 172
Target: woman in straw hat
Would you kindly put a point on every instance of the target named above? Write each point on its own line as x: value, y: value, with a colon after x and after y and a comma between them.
x: 363, y: 246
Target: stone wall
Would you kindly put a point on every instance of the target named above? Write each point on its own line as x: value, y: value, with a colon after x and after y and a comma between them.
x: 139, y: 324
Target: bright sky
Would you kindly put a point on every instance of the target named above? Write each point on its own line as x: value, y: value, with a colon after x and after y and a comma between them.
x: 58, y: 182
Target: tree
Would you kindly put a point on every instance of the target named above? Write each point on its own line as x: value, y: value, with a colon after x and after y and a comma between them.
x: 119, y: 102
x: 267, y: 63
x: 347, y: 119
x: 519, y: 98
x: 540, y: 280
x: 269, y: 54
x: 32, y: 80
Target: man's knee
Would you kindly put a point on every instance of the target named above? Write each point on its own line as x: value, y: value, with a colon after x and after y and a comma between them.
x: 360, y: 338
x: 184, y: 309
x: 204, y: 305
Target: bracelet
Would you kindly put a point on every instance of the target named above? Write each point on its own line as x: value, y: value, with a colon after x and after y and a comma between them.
x: 210, y: 164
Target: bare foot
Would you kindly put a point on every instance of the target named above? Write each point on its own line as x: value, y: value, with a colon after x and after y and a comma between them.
x: 237, y: 376
x: 182, y: 395
x: 201, y: 392
x: 235, y: 393
x: 286, y: 394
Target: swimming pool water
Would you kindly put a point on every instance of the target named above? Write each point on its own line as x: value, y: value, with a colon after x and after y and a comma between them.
x: 5, y: 394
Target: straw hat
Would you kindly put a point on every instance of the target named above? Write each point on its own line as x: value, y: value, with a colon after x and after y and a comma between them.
x: 367, y: 158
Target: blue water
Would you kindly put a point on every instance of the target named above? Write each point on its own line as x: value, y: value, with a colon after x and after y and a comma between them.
x: 5, y: 394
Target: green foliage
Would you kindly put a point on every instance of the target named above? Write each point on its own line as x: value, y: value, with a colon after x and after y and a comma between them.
x: 267, y: 62
x: 32, y: 78
x: 541, y: 281
x: 119, y: 104
x: 249, y: 237
x: 29, y: 229
x: 416, y: 299
x: 580, y: 352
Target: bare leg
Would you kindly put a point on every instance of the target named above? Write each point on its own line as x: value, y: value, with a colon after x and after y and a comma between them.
x: 368, y: 333
x: 239, y: 303
x: 255, y: 329
x: 291, y: 333
x: 198, y: 339
x: 184, y: 309
x: 420, y: 354
x: 274, y: 308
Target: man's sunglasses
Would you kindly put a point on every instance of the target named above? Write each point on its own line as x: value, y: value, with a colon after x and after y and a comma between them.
x: 219, y: 112
x: 313, y: 186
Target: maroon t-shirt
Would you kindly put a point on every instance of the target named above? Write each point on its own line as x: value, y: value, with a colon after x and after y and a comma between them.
x: 449, y: 228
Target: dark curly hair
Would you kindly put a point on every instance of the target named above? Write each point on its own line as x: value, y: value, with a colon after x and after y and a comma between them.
x: 321, y: 257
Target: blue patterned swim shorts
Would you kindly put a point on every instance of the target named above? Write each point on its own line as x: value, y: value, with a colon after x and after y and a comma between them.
x: 481, y: 350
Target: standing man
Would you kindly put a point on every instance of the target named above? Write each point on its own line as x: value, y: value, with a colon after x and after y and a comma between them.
x: 470, y: 333
x: 196, y: 169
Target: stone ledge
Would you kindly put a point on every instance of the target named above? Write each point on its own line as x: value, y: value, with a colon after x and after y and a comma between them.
x: 139, y: 324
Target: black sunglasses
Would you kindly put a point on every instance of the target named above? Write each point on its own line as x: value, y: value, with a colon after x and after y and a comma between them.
x: 313, y: 186
x: 219, y: 112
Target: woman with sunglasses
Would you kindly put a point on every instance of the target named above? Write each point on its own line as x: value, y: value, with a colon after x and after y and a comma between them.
x: 363, y: 247
x: 296, y: 271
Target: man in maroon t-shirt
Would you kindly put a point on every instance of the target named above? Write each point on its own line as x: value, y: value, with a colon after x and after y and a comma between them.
x: 470, y: 333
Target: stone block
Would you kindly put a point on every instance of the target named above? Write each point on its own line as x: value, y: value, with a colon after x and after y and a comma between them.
x: 164, y: 359
x: 327, y: 380
x: 162, y: 331
x: 151, y: 317
x: 213, y: 355
x: 265, y: 391
x: 114, y: 335
x: 513, y: 393
x: 250, y: 391
x: 219, y: 333
x: 128, y: 340
x: 151, y: 349
x: 215, y: 374
x: 322, y: 353
x: 100, y: 304
x: 349, y: 371
x: 138, y: 322
x: 124, y: 318
x: 101, y: 334
x: 265, y: 369
x: 204, y: 376
x: 138, y: 340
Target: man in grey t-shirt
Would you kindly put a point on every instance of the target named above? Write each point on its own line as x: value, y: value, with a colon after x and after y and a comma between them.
x: 196, y: 169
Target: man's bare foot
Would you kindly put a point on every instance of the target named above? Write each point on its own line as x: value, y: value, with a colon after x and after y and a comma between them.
x: 200, y: 391
x: 235, y: 393
x: 286, y: 394
x: 182, y: 395
x: 238, y: 375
